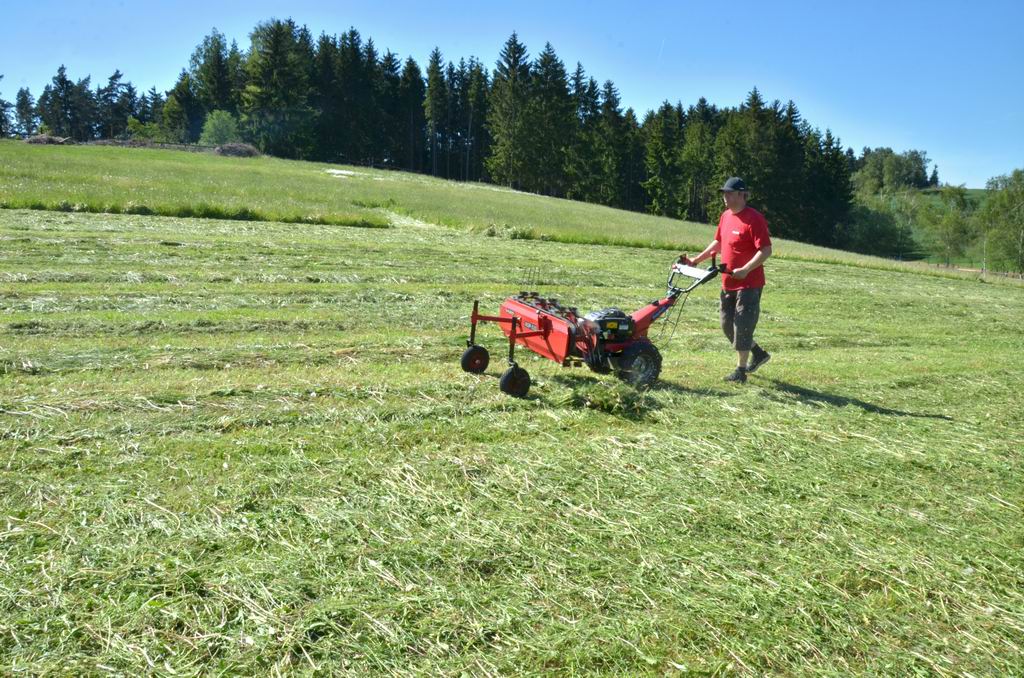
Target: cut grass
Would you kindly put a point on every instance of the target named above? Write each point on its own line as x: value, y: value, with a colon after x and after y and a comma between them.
x: 247, y: 448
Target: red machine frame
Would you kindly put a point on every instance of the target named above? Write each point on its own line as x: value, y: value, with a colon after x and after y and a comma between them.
x: 564, y: 336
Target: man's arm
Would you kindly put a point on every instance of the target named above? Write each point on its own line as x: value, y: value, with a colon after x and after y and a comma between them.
x: 714, y: 248
x: 758, y: 259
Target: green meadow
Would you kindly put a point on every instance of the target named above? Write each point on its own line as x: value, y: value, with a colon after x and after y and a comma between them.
x: 244, y: 446
x: 156, y: 182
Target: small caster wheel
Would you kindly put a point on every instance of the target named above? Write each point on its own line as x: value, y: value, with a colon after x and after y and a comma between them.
x: 515, y: 382
x: 475, y: 359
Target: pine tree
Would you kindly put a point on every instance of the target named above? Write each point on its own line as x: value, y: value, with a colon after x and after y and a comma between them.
x: 275, y: 105
x: 435, y: 109
x: 784, y: 193
x: 116, y: 102
x: 236, y: 75
x: 838, y: 190
x: 5, y: 116
x: 810, y: 226
x: 455, y: 87
x: 389, y: 100
x: 582, y: 173
x: 918, y: 161
x: 373, y: 127
x: 355, y: 118
x: 549, y: 117
x: 68, y: 108
x: 325, y: 99
x: 174, y: 121
x: 851, y: 161
x: 744, y: 147
x: 185, y: 121
x: 697, y: 170
x: 506, y: 118
x: 759, y: 166
x: 412, y: 93
x: 612, y: 148
x: 25, y: 112
x: 127, y: 104
x: 211, y: 74
x: 150, y: 109
x: 55, y: 104
x: 662, y: 161
x: 6, y: 124
x: 634, y: 175
x: 478, y: 140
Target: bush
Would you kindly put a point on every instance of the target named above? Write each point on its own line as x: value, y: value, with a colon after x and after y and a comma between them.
x: 238, y: 150
x: 220, y: 128
x: 149, y: 131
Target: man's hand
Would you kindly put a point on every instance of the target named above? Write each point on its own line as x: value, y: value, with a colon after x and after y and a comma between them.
x: 683, y: 259
x: 740, y: 273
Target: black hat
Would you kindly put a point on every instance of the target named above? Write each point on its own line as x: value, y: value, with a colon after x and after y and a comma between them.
x: 733, y: 184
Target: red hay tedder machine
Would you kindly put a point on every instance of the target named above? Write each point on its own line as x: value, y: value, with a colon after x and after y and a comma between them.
x: 604, y: 340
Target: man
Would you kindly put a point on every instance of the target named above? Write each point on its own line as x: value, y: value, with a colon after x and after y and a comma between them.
x: 743, y: 240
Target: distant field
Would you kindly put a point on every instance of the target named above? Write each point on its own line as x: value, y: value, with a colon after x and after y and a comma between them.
x: 246, y: 448
x: 176, y: 183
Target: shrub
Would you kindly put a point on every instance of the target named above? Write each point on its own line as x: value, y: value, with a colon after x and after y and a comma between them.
x: 139, y: 131
x: 220, y: 128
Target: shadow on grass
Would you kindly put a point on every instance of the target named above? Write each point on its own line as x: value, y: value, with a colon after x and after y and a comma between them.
x: 576, y: 380
x: 812, y: 397
x: 670, y: 387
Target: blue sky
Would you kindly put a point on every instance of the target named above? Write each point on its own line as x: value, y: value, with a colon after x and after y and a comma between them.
x: 945, y: 77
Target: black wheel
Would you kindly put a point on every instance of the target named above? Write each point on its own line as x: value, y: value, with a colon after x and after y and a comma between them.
x: 597, y: 361
x: 639, y: 364
x: 515, y: 382
x: 475, y: 359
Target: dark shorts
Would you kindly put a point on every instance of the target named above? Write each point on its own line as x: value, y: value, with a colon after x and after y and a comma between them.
x: 739, y: 312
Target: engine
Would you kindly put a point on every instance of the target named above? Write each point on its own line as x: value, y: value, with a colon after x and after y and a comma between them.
x: 611, y: 325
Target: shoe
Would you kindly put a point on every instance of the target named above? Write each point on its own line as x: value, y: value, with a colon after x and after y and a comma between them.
x: 738, y: 375
x: 758, y: 357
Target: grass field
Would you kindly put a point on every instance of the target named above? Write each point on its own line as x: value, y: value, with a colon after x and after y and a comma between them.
x: 246, y: 448
x: 119, y: 180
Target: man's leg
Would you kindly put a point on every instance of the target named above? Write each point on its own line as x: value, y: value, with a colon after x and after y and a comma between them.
x: 727, y: 316
x: 748, y: 311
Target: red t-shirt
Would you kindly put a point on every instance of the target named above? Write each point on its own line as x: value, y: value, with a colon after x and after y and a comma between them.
x: 741, y: 236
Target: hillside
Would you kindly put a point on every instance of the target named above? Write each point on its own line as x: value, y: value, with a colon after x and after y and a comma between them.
x: 174, y: 183
x: 246, y: 447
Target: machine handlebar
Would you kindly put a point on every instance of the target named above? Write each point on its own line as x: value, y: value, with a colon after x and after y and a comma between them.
x: 698, y: 275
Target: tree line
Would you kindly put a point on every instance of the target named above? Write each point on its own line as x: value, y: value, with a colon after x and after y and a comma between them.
x: 529, y: 124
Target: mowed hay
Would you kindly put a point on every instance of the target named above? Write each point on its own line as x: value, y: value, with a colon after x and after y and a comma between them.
x: 247, y: 448
x: 49, y: 139
x: 237, y: 150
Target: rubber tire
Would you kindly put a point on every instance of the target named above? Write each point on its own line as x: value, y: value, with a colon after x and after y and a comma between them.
x: 515, y: 382
x: 475, y: 359
x: 639, y: 364
x: 598, y: 367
